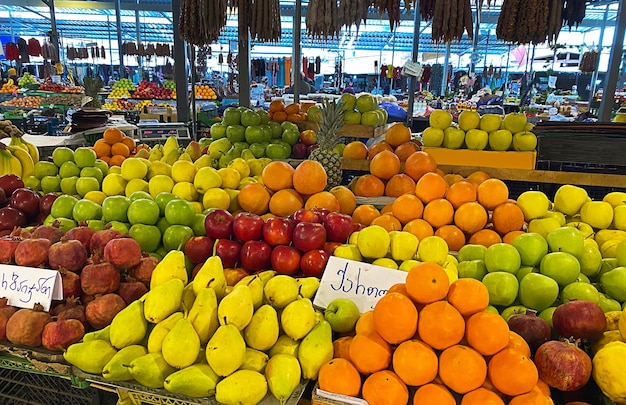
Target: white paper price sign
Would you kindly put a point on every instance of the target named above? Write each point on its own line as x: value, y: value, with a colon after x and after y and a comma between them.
x: 27, y: 286
x: 363, y: 283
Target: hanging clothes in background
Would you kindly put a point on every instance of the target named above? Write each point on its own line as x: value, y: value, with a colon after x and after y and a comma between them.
x: 11, y: 52
x: 22, y: 47
x: 305, y: 65
x: 287, y: 71
x: 318, y: 65
x: 34, y: 47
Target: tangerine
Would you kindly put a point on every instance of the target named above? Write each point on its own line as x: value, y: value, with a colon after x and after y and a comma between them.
x: 309, y: 177
x: 454, y: 237
x: 440, y: 325
x: 427, y: 282
x: 405, y: 150
x: 395, y: 317
x: 462, y: 368
x: 512, y: 372
x: 406, y: 208
x: 385, y: 388
x: 397, y: 134
x: 415, y: 362
x: 339, y: 376
x: 254, y: 198
x: 365, y: 214
x: 492, y: 192
x: 368, y: 185
x: 460, y: 193
x: 468, y: 296
x: 430, y: 394
x: 399, y: 184
x: 346, y: 198
x: 355, y: 150
x: 285, y: 202
x: 488, y: 333
x: 470, y: 217
x: 385, y: 165
x: 430, y: 186
x: 278, y: 175
x: 485, y: 237
x: 323, y: 199
x: 438, y: 213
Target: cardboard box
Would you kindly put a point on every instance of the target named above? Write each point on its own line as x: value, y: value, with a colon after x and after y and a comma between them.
x: 483, y: 158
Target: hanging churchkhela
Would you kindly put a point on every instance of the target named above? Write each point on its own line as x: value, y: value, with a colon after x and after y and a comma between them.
x: 450, y: 19
x: 530, y: 21
x: 265, y: 20
x: 201, y: 21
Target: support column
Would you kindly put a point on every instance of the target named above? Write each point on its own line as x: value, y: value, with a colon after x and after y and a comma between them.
x: 414, y: 55
x: 296, y: 64
x: 243, y: 32
x: 608, y: 93
x: 474, y: 57
x: 54, y: 34
x: 180, y: 67
x: 118, y: 25
x: 446, y: 66
x: 138, y: 32
x: 594, y: 76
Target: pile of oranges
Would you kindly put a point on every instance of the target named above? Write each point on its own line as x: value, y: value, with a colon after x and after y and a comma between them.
x: 434, y: 342
x: 293, y: 112
x: 397, y: 140
x: 203, y: 92
x: 115, y: 146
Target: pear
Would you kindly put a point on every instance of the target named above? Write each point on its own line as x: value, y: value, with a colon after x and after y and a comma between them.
x: 90, y: 356
x: 114, y: 370
x: 225, y: 350
x: 263, y: 329
x: 211, y: 274
x: 197, y: 380
x: 308, y: 286
x: 298, y: 318
x: 163, y: 300
x: 101, y: 334
x: 161, y: 329
x: 280, y: 290
x: 203, y: 314
x: 171, y: 143
x: 236, y: 308
x: 181, y: 345
x: 283, y: 376
x: 171, y: 266
x: 316, y: 349
x: 243, y: 387
x: 254, y: 360
x: 188, y: 298
x: 129, y: 326
x: 255, y: 283
x: 285, y: 345
x: 266, y: 275
x: 150, y: 370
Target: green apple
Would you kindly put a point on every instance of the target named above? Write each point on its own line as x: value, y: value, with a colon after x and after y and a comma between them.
x: 114, y: 208
x: 546, y: 315
x: 44, y: 168
x: 137, y: 185
x: 502, y: 287
x: 32, y: 182
x: 406, y: 265
x: 590, y: 260
x: 254, y: 134
x: 500, y: 140
x: 585, y: 229
x: 582, y: 279
x: 508, y: 312
x: 366, y: 102
x: 236, y: 133
x: 175, y: 236
x: 566, y: 239
x: 580, y: 291
x: 524, y: 141
x: 490, y: 122
x: 148, y: 236
x: 85, y: 157
x: 121, y: 227
x: 534, y: 204
x: 198, y: 225
x: 85, y: 210
x: 514, y: 122
x: 69, y: 169
x: 114, y: 184
x: 342, y: 314
x: 50, y: 184
x: 139, y: 195
x: 471, y: 252
x: 277, y: 130
x: 543, y: 226
x: 453, y: 138
x: 614, y: 283
x: 180, y: 212
x: 403, y: 245
x: 524, y: 270
x: 433, y: 249
x: 103, y: 166
x: 537, y: 291
x: 432, y: 137
x: 231, y: 116
x: 475, y: 269
x: 608, y: 304
x: 65, y: 224
x: 532, y: 247
x: 562, y: 267
x: 290, y: 136
x: 502, y: 257
x: 216, y: 198
x: 218, y: 130
x: 569, y: 199
x: 347, y: 102
x: 476, y: 139
x: 95, y: 224
x: 352, y: 118
x: 492, y: 309
x: 162, y: 199
x: 250, y: 118
x: 278, y: 150
x: 160, y: 183
x: 598, y: 214
x: 162, y: 224
x: 370, y: 118
x: 92, y: 172
x: 68, y: 185
x: 143, y: 211
x: 265, y: 117
x: 85, y: 185
x: 61, y: 155
x: 469, y: 120
x: 63, y: 206
x: 559, y: 216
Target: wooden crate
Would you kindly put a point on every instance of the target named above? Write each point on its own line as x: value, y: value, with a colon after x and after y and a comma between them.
x: 484, y: 158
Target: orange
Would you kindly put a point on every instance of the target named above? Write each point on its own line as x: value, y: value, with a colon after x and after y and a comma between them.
x: 462, y: 368
x: 377, y: 148
x: 419, y: 228
x: 415, y: 362
x: 452, y: 178
x: 365, y: 214
x: 309, y: 177
x: 369, y: 352
x: 387, y: 221
x: 430, y: 394
x: 485, y: 237
x: 346, y: 198
x: 278, y: 175
x: 427, y: 282
x: 440, y: 325
x: 120, y: 148
x: 397, y: 134
x: 385, y: 165
x: 438, y: 213
x: 355, y: 150
x: 512, y: 372
x: 399, y: 184
x: 487, y: 332
x: 531, y: 398
x: 406, y: 208
x: 405, y: 150
x: 386, y: 209
x: 398, y: 288
x: 385, y: 387
x: 341, y: 347
x: 395, y: 317
x: 323, y: 199
x: 507, y: 217
x: 339, y: 376
x: 293, y: 108
x: 285, y: 202
x: 295, y: 117
x: 116, y: 160
x: 430, y: 186
x: 368, y: 185
x: 279, y: 116
x: 471, y: 217
x: 509, y: 237
x: 492, y: 192
x: 107, y: 159
x: 277, y: 105
x: 541, y: 385
x: 454, y: 237
x: 517, y: 342
x: 468, y: 296
x: 478, y: 177
x: 481, y: 396
x: 418, y: 164
x: 254, y: 198
x: 112, y: 135
x: 130, y: 142
x: 460, y: 193
x: 102, y: 148
x: 365, y: 323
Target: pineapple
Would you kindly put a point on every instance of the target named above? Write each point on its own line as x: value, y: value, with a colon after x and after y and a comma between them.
x: 92, y: 88
x: 327, y: 138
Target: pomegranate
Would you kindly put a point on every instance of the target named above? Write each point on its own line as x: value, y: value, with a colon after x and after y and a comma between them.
x: 80, y: 233
x: 26, y: 326
x: 579, y: 319
x: 101, y: 278
x: 71, y: 284
x: 6, y: 311
x: 122, y: 252
x: 533, y: 329
x: 8, y: 244
x: 101, y: 311
x: 52, y: 233
x: 60, y: 334
x: 563, y: 365
x: 99, y: 240
x: 32, y: 252
x: 132, y: 290
x: 143, y: 271
x: 70, y: 255
x: 70, y: 309
x: 11, y: 217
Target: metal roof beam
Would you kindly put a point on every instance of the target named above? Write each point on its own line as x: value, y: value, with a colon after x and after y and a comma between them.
x: 102, y: 5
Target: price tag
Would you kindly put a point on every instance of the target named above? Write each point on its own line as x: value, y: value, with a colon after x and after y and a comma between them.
x: 363, y: 283
x: 26, y: 286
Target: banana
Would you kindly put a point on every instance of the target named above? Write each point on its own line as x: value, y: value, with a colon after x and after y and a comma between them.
x: 26, y: 161
x: 32, y: 151
x: 17, y: 142
x: 10, y: 164
x: 5, y: 163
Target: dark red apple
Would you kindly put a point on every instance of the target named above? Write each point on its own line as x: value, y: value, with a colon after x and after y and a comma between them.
x: 338, y: 226
x: 199, y: 248
x: 314, y: 262
x: 278, y: 230
x: 218, y: 224
x: 10, y: 183
x: 255, y: 255
x: 228, y: 250
x: 25, y: 200
x: 306, y: 215
x: 45, y: 203
x: 309, y: 236
x: 11, y: 217
x: 331, y: 246
x: 247, y: 226
x: 357, y: 226
x: 3, y: 197
x: 535, y: 331
x: 299, y: 151
x: 311, y: 148
x: 322, y: 212
x: 285, y: 260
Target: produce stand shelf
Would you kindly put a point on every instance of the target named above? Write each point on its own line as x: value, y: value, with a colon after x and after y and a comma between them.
x: 485, y: 158
x: 350, y: 130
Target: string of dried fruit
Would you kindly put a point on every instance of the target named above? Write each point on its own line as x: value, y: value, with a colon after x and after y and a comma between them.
x: 392, y: 7
x: 202, y: 20
x: 322, y: 19
x: 588, y: 62
x: 554, y: 20
x: 265, y: 20
x: 450, y: 19
x: 427, y: 9
x: 542, y: 13
x: 529, y: 21
x: 353, y: 12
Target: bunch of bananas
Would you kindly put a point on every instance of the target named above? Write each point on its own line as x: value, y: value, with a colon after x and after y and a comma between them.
x: 19, y: 156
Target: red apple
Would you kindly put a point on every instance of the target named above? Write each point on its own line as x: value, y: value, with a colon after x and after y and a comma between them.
x: 322, y: 212
x: 199, y: 248
x: 308, y: 236
x: 314, y: 262
x: 228, y: 250
x: 308, y: 137
x: 10, y: 182
x: 278, y: 230
x: 233, y: 275
x: 3, y: 197
x: 338, y: 226
x: 299, y: 151
x: 247, y: 226
x: 45, y: 203
x: 218, y: 224
x: 306, y: 215
x: 26, y: 200
x: 285, y: 260
x: 331, y: 246
x: 311, y: 148
x: 255, y: 255
x: 357, y: 226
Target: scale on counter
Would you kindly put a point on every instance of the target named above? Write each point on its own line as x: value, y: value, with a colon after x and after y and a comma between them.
x: 153, y: 130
